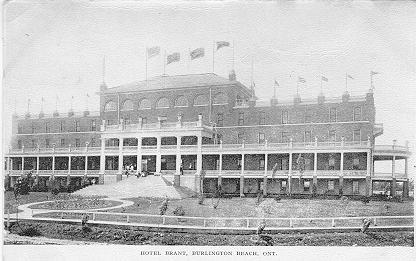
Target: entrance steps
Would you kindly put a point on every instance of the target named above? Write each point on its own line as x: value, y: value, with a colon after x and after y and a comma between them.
x: 150, y: 186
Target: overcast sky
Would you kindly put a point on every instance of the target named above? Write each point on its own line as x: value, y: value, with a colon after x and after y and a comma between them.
x: 56, y: 48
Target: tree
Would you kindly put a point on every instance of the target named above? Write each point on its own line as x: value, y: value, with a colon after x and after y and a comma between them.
x: 23, y: 184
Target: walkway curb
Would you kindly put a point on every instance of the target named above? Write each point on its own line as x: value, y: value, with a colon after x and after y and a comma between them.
x: 211, y: 230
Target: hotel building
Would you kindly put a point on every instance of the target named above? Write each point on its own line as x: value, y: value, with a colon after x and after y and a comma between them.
x: 203, y: 127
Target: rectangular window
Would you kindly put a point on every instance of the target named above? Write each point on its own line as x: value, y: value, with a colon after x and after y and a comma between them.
x: 283, y: 185
x: 19, y: 129
x: 331, y: 162
x: 285, y: 137
x: 241, y: 119
x: 261, y: 138
x: 77, y: 143
x: 62, y: 142
x: 332, y: 114
x: 62, y: 126
x: 357, y: 114
x: 355, y: 187
x: 33, y: 144
x: 262, y: 118
x: 331, y: 185
x: 308, y: 136
x: 285, y: 117
x: 47, y: 127
x: 19, y: 144
x: 332, y: 136
x: 220, y: 119
x: 127, y: 120
x: 92, y: 142
x: 240, y: 138
x: 356, y: 163
x: 47, y: 143
x: 308, y: 118
x: 306, y: 185
x: 261, y: 164
x: 77, y: 126
x: 33, y: 128
x: 144, y: 120
x: 356, y: 135
x: 93, y: 125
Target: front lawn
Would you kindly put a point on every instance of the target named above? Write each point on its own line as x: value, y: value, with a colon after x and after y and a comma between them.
x: 248, y: 207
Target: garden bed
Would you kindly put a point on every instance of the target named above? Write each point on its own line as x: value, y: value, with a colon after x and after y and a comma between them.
x: 77, y: 204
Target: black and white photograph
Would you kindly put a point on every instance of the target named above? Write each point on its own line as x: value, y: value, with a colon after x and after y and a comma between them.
x: 208, y: 129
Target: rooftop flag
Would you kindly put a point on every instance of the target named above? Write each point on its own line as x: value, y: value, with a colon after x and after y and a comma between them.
x: 301, y: 80
x: 323, y: 78
x: 153, y: 51
x: 221, y: 44
x: 197, y: 53
x: 349, y: 76
x: 276, y: 83
x: 374, y: 73
x: 174, y: 57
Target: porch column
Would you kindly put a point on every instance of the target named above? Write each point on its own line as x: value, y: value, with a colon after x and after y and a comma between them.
x: 265, y: 175
x: 289, y: 180
x: 53, y: 165
x: 86, y: 166
x: 220, y: 165
x: 102, y: 157
x: 393, y: 174
x: 120, y: 156
x: 242, y: 176
x: 368, y: 181
x: 315, y: 172
x: 406, y: 167
x: 69, y: 165
x: 37, y: 165
x: 341, y: 167
x: 158, y: 155
x: 139, y: 154
x: 199, y: 155
x: 341, y: 175
x: 23, y: 164
x: 178, y: 155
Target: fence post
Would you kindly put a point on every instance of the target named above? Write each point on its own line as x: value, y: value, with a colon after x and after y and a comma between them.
x: 290, y: 223
x: 375, y: 222
x: 248, y: 222
x: 32, y: 212
x: 333, y: 222
x: 163, y: 220
x: 62, y: 215
x: 93, y: 216
x: 128, y: 219
x: 8, y: 218
x: 205, y: 222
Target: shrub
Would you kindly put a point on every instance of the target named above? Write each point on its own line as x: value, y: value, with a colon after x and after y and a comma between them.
x: 179, y: 211
x: 278, y: 198
x: 365, y: 200
x: 164, y: 207
x: 30, y: 232
x: 397, y: 198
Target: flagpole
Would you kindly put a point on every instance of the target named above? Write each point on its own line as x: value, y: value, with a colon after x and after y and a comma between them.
x: 56, y: 103
x: 346, y: 82
x: 213, y: 56
x: 103, y: 69
x: 321, y: 85
x: 41, y: 105
x: 274, y: 89
x: 297, y: 88
x: 146, y: 63
x: 371, y: 77
x: 189, y: 59
x: 233, y: 54
x: 164, y: 64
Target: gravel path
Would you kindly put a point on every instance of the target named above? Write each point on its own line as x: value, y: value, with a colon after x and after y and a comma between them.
x: 13, y: 239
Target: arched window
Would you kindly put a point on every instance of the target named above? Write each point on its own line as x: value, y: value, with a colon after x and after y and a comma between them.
x: 201, y: 100
x: 110, y: 106
x: 220, y: 99
x: 162, y: 103
x: 127, y: 105
x: 144, y: 104
x: 181, y: 101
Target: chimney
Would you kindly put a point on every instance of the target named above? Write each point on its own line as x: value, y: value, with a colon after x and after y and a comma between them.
x: 297, y: 99
x: 345, y: 97
x: 232, y: 76
x: 321, y: 98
